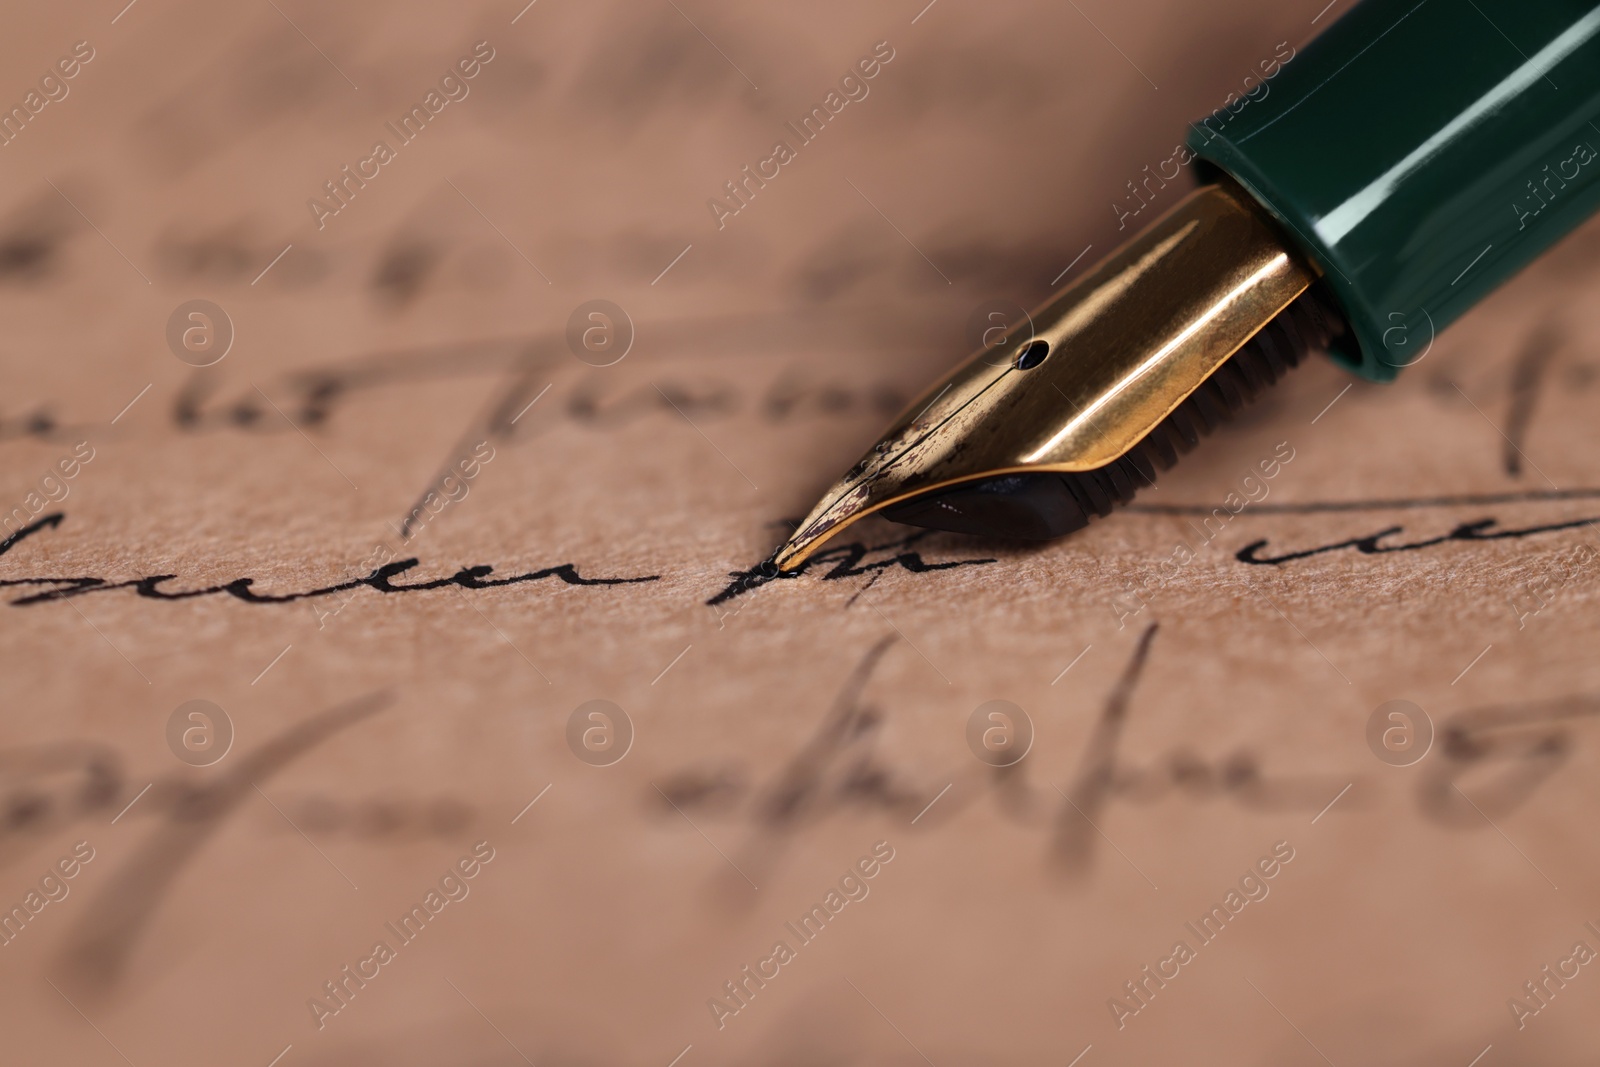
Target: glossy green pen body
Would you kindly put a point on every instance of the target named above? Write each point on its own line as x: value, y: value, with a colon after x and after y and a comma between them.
x: 1404, y: 164
x: 1420, y: 154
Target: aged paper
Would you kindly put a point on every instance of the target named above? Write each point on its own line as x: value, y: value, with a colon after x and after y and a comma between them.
x: 390, y: 680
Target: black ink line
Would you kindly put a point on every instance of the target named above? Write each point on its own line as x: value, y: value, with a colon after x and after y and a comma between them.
x: 475, y: 577
x: 1402, y: 503
x: 492, y: 422
x: 99, y: 949
x: 1370, y: 546
x: 870, y: 583
x: 1091, y: 788
x: 1526, y: 742
x: 1527, y: 378
x: 846, y: 563
x: 316, y: 393
x: 800, y: 781
x: 835, y: 768
x: 241, y: 588
x: 51, y: 520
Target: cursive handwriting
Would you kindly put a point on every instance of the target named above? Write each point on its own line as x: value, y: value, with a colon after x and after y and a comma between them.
x: 845, y: 561
x: 100, y: 947
x: 1369, y: 544
x: 839, y: 768
x: 380, y: 579
x: 1528, y: 742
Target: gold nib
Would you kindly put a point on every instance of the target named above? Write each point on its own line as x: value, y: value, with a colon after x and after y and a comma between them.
x: 1098, y: 368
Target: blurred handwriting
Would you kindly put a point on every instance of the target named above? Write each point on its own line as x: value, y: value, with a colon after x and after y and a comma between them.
x: 839, y: 769
x: 102, y: 943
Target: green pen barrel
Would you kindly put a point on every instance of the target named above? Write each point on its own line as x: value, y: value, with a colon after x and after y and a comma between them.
x: 1420, y: 154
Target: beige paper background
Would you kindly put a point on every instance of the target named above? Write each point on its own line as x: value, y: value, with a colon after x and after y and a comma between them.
x: 985, y: 158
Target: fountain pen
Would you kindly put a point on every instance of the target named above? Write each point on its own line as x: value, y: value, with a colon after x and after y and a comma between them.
x: 1409, y: 160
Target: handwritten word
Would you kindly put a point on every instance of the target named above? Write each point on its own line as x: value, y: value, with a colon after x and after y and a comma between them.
x: 476, y: 577
x: 53, y: 888
x: 339, y: 991
x: 852, y: 887
x: 313, y: 399
x: 1369, y: 546
x: 54, y: 489
x: 810, y: 128
x: 1253, y: 888
x: 1182, y: 156
x: 1253, y: 490
x: 840, y: 768
x: 98, y: 950
x: 343, y: 190
x: 846, y: 563
x: 1505, y: 752
x: 53, y: 88
x: 50, y: 786
x: 1540, y: 994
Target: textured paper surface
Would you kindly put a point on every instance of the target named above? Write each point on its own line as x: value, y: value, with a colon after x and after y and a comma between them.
x: 1194, y: 722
